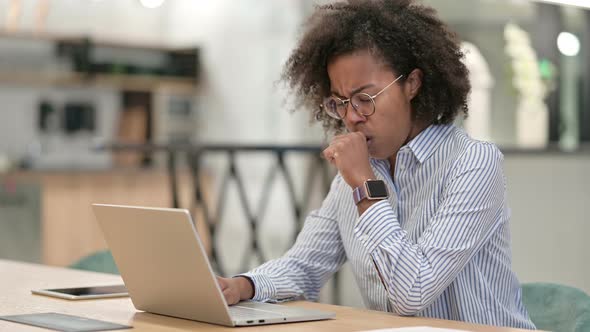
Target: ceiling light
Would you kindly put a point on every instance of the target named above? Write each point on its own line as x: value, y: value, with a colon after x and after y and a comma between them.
x: 568, y: 44
x: 151, y: 4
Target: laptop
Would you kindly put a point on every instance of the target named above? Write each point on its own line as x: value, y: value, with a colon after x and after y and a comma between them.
x: 166, y: 271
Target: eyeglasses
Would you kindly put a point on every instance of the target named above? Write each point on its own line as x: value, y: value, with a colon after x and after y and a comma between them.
x: 363, y: 103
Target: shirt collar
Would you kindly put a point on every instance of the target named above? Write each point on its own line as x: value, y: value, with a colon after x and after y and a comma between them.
x: 428, y: 141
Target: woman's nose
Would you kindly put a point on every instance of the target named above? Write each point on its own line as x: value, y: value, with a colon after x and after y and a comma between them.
x: 353, y: 117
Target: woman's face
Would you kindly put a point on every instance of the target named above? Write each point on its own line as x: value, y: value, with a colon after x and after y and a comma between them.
x: 392, y: 125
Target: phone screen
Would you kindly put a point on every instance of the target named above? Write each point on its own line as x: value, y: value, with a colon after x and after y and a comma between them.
x: 98, y: 290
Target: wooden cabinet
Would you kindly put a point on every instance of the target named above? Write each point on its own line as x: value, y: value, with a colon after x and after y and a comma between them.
x: 68, y: 228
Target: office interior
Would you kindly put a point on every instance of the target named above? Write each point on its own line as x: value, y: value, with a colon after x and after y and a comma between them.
x: 179, y: 103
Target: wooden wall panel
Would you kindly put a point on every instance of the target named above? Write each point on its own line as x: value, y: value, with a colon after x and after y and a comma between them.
x: 69, y: 231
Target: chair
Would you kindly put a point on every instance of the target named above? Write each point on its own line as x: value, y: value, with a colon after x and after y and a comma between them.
x: 554, y: 307
x: 101, y: 261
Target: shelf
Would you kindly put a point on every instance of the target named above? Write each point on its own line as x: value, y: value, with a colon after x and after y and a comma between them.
x: 119, y: 81
x: 176, y: 72
x: 50, y: 37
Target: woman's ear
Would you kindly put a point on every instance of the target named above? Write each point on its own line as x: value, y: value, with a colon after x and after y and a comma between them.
x: 413, y: 83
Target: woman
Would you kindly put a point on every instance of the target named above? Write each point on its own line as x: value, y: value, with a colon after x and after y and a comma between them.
x: 418, y: 208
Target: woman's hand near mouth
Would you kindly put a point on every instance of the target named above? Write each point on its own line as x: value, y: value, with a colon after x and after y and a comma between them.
x: 350, y: 154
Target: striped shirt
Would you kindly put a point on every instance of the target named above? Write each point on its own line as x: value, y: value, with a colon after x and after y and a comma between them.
x: 440, y: 242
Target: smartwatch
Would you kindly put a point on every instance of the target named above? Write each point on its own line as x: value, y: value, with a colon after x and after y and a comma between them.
x: 371, y: 190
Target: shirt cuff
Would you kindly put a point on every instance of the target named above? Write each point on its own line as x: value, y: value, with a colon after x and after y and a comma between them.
x: 264, y: 289
x: 377, y: 224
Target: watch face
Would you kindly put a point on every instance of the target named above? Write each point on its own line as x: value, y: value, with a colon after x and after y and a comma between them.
x: 376, y: 189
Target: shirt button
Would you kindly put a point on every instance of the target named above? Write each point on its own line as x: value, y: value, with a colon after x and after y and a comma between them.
x: 364, y: 237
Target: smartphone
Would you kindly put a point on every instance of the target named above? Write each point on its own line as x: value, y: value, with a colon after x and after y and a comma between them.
x: 84, y: 293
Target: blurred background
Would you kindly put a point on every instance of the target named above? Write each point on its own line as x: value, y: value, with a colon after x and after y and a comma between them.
x: 177, y: 103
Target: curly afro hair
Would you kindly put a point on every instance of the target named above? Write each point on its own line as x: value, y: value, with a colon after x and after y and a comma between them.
x: 405, y: 35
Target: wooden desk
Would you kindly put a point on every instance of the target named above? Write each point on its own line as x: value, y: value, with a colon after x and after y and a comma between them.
x: 17, y: 280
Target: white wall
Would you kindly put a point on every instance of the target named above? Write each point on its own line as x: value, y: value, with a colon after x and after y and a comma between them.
x: 242, y: 60
x: 549, y: 196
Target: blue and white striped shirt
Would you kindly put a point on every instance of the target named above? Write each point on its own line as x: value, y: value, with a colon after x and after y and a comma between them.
x: 441, y: 242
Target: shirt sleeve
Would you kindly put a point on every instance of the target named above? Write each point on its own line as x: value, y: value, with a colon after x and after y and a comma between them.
x: 317, y: 253
x: 471, y: 209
